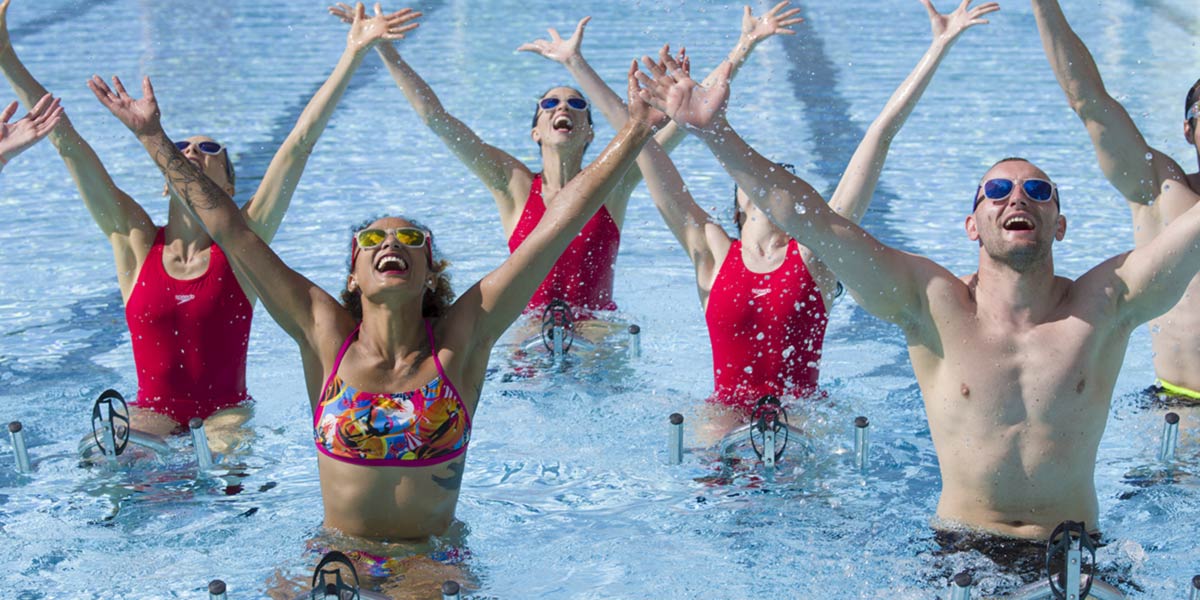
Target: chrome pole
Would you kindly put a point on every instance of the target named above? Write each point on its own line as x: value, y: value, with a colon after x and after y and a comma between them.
x: 861, y: 443
x: 635, y: 341
x: 200, y: 444
x: 18, y: 442
x: 769, y: 448
x: 110, y: 440
x: 1195, y: 595
x: 450, y: 590
x: 675, y: 439
x: 960, y: 586
x: 216, y: 590
x: 1170, y: 437
x: 1074, y: 556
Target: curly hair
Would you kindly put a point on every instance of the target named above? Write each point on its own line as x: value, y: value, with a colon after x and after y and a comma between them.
x: 436, y: 302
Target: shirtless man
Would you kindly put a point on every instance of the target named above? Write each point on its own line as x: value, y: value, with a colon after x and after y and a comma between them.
x: 1122, y: 153
x: 1016, y: 365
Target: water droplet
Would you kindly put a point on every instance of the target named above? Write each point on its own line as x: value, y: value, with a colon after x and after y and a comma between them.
x: 760, y: 336
x: 748, y: 369
x: 801, y: 209
x: 1149, y: 156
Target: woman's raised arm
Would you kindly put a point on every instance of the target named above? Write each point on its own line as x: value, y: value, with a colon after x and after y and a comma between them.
x: 266, y: 210
x: 857, y: 186
x: 123, y: 221
x: 493, y: 166
x: 297, y: 304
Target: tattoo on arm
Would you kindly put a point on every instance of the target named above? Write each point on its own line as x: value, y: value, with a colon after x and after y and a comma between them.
x: 194, y: 188
x: 454, y: 481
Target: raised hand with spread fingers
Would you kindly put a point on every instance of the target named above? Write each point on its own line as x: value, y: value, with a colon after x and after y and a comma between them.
x: 16, y: 137
x: 556, y: 48
x: 775, y: 22
x: 365, y: 31
x: 671, y: 89
x: 947, y: 27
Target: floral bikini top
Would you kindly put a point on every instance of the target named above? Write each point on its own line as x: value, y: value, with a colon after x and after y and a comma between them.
x: 419, y: 428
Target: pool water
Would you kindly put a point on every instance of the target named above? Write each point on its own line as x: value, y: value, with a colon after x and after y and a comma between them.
x: 567, y: 491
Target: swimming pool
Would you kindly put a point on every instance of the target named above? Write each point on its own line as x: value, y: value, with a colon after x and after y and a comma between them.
x: 567, y: 491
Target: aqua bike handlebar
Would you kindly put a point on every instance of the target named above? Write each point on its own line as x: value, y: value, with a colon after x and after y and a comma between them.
x: 557, y: 316
x: 768, y: 415
x: 120, y: 432
x: 1061, y: 543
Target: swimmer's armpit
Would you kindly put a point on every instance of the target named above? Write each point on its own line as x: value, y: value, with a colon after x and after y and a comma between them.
x: 454, y: 481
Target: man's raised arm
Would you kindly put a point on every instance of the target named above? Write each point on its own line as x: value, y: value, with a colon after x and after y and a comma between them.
x: 1120, y: 147
x: 1153, y: 277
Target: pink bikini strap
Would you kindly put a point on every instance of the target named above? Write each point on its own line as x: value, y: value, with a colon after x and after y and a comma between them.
x: 337, y: 362
x: 442, y: 374
x: 433, y: 350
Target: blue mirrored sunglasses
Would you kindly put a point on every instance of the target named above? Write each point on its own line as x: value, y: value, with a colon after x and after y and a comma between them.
x: 574, y: 103
x: 1038, y: 190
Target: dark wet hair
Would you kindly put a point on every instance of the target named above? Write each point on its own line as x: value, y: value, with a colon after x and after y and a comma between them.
x: 229, y: 166
x: 537, y: 109
x: 737, y: 221
x: 435, y: 303
x: 1193, y: 96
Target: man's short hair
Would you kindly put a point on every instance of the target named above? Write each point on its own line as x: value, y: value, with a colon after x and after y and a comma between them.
x: 1193, y: 96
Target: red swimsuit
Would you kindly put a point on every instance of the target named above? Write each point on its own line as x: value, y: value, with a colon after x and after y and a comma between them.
x: 583, y: 275
x: 766, y: 329
x: 189, y: 338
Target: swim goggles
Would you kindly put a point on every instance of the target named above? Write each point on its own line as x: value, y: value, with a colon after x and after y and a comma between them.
x: 552, y: 102
x: 205, y: 147
x: 1192, y: 112
x: 409, y: 236
x: 1038, y: 190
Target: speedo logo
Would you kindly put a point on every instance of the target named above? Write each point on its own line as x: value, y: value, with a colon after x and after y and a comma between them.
x: 760, y: 292
x: 184, y: 298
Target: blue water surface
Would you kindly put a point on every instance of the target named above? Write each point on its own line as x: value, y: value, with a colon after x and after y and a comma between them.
x: 567, y: 493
